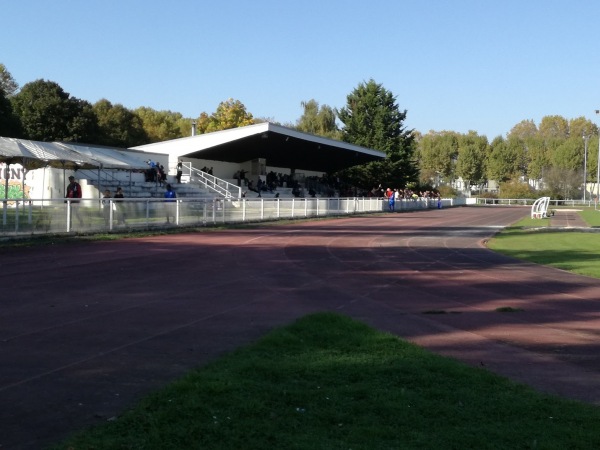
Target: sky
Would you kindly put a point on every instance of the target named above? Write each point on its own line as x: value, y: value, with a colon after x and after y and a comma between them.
x: 454, y: 65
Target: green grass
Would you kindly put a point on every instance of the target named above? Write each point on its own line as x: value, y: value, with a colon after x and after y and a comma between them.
x: 591, y: 217
x: 327, y: 382
x: 574, y: 251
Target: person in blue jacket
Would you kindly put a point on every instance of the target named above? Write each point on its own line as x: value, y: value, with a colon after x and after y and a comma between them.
x: 170, y: 197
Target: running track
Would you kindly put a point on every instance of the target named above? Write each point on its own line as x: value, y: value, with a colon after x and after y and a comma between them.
x: 87, y: 329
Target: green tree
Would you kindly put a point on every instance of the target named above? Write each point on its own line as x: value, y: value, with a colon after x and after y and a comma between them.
x: 317, y: 120
x: 581, y: 126
x: 229, y: 114
x: 505, y: 160
x: 569, y: 154
x: 373, y: 119
x: 554, y: 127
x: 8, y: 85
x: 537, y: 157
x: 48, y: 113
x: 524, y: 130
x: 119, y: 127
x: 437, y: 152
x: 10, y: 126
x: 471, y: 161
x: 163, y: 125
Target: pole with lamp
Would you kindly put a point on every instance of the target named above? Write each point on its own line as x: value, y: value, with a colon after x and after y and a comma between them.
x: 586, y: 138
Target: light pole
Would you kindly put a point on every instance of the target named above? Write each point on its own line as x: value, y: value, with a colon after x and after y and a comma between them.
x: 586, y: 138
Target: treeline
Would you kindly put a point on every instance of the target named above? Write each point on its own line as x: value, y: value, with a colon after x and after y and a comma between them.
x: 42, y: 111
x: 548, y: 157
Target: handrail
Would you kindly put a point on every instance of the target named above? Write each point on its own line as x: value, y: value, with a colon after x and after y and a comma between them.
x: 218, y: 185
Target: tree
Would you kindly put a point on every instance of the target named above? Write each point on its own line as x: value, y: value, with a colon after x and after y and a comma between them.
x: 318, y: 120
x: 8, y: 85
x: 10, y: 126
x: 471, y: 161
x: 229, y: 114
x: 437, y: 152
x: 48, y: 113
x: 555, y: 127
x: 163, y: 125
x: 537, y: 157
x: 569, y: 155
x: 119, y: 127
x: 581, y: 126
x: 373, y: 119
x: 505, y: 160
x: 562, y: 183
x: 524, y: 130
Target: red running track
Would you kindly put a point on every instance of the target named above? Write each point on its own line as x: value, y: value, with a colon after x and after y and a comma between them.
x: 87, y: 329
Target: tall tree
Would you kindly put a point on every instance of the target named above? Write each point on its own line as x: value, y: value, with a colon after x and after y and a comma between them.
x: 537, y: 157
x: 163, y: 125
x: 229, y: 114
x: 471, y: 161
x: 554, y: 127
x: 48, y: 113
x: 437, y: 152
x: 569, y: 155
x: 10, y: 126
x: 505, y: 160
x: 7, y: 83
x: 581, y: 126
x: 119, y: 127
x: 373, y: 119
x: 319, y: 120
x: 524, y: 130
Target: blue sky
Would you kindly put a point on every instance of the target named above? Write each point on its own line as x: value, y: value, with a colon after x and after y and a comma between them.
x: 455, y: 65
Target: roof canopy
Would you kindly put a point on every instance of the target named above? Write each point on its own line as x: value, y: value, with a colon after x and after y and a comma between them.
x: 279, y: 146
x: 34, y: 154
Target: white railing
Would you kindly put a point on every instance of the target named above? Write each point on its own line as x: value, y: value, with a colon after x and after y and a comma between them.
x: 530, y: 202
x: 25, y: 217
x: 221, y: 187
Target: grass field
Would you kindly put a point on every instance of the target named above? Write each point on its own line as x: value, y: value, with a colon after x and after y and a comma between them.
x: 575, y: 251
x: 327, y: 382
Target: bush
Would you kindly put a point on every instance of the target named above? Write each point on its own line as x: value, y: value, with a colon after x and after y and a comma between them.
x: 516, y: 189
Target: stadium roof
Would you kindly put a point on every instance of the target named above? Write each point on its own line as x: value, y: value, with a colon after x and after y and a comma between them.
x: 70, y: 155
x: 279, y: 146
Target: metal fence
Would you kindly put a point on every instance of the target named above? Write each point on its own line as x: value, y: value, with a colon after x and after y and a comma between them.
x: 531, y: 201
x: 23, y: 217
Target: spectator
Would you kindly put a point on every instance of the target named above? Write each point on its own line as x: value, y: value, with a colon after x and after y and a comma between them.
x: 179, y: 171
x: 120, y: 207
x: 74, y: 192
x: 170, y: 197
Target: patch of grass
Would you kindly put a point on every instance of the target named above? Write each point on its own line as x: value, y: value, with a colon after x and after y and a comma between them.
x: 574, y: 251
x: 533, y: 223
x: 591, y: 217
x: 327, y: 382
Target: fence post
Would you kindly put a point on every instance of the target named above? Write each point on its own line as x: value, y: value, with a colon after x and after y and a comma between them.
x: 68, y: 216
